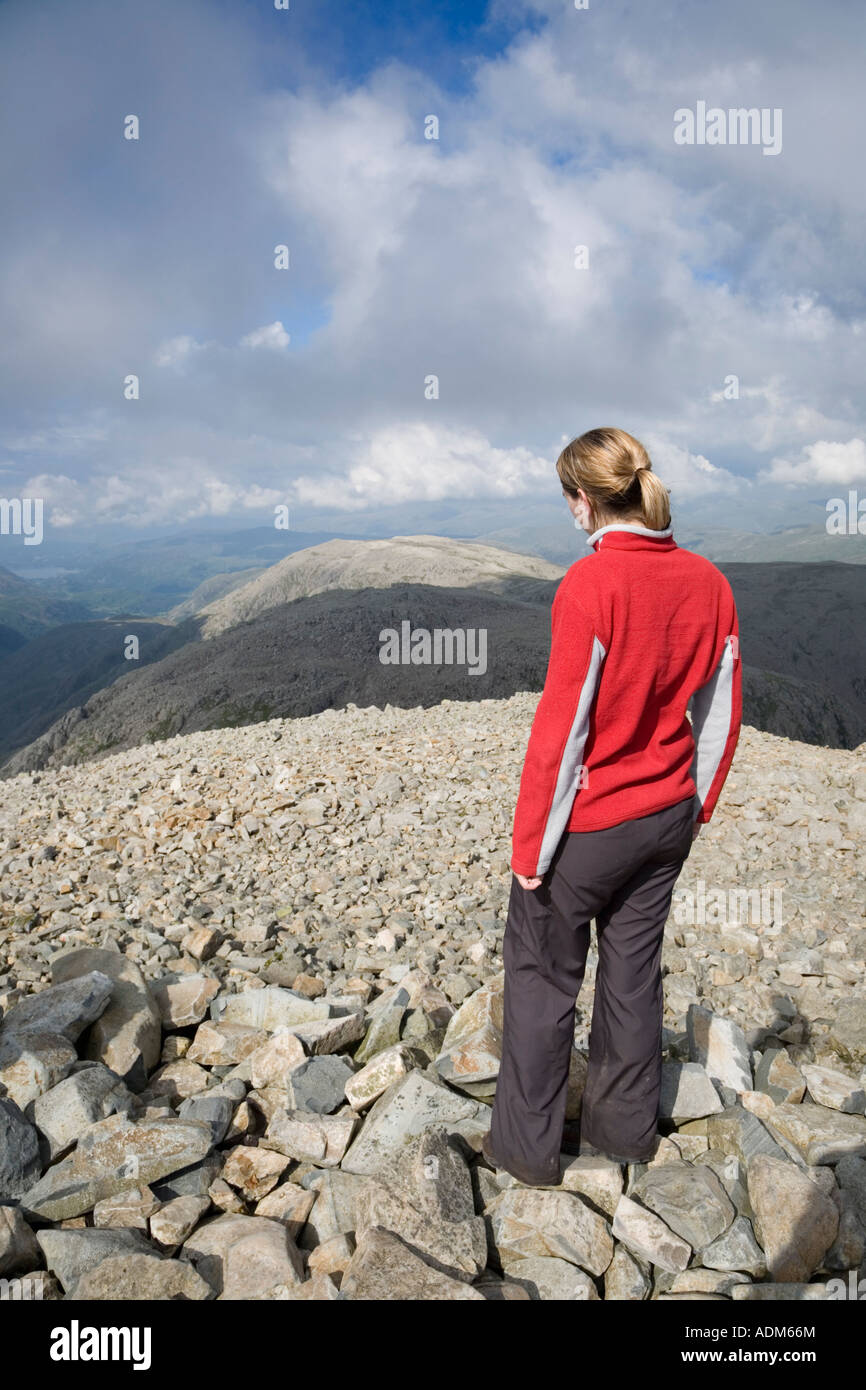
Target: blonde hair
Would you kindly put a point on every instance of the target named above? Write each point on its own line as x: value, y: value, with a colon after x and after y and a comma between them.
x: 615, y: 472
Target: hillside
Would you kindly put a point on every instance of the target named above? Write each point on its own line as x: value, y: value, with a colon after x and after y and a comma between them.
x: 303, y: 636
x: 722, y: 544
x: 61, y: 668
x: 279, y: 953
x: 29, y: 608
x: 382, y: 564
x: 152, y: 576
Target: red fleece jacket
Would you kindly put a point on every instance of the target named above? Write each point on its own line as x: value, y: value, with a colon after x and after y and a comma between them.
x: 639, y: 628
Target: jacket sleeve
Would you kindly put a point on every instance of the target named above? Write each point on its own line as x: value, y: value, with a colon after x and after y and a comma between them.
x: 553, y: 766
x: 717, y: 711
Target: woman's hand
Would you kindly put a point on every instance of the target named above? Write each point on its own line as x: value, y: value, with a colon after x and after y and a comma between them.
x: 528, y: 883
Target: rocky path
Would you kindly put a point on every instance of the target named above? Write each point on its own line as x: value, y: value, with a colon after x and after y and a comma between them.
x: 251, y: 990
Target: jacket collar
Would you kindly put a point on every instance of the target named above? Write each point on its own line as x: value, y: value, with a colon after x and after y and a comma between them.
x: 628, y: 536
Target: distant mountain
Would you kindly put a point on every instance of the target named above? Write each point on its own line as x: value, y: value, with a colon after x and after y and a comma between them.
x: 304, y: 636
x: 805, y: 622
x: 297, y: 659
x: 209, y: 591
x: 10, y: 640
x: 376, y: 564
x: 63, y: 667
x: 797, y: 544
x: 802, y: 544
x: 28, y: 608
x: 153, y: 576
x: 74, y: 663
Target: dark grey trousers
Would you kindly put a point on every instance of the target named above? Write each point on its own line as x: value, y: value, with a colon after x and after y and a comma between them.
x: 624, y: 878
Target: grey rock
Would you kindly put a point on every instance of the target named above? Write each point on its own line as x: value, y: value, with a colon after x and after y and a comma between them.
x: 65, y: 1008
x: 385, y: 1026
x: 731, y: 1172
x: 739, y: 1132
x: 688, y: 1198
x: 687, y: 1093
x: 142, y: 1278
x: 425, y: 1197
x: 193, y: 1181
x: 269, y: 1008
x: 334, y: 1212
x: 89, y: 1094
x: 31, y: 1063
x: 383, y: 1267
x: 19, y: 1252
x: 815, y: 1134
x: 127, y: 1035
x: 720, y: 1046
x: 244, y: 1256
x: 319, y: 1084
x: 794, y: 1222
x: 848, y: 1250
x: 851, y: 1176
x: 547, y: 1278
x: 736, y: 1249
x: 216, y: 1111
x: 70, y: 1254
x: 20, y: 1165
x: 111, y: 1156
x: 402, y: 1112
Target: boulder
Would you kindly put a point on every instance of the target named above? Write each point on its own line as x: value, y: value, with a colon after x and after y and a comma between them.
x: 383, y: 1267
x: 127, y: 1034
x: 794, y: 1222
x: 111, y: 1156
x: 425, y: 1197
x: 244, y: 1256
x: 20, y: 1164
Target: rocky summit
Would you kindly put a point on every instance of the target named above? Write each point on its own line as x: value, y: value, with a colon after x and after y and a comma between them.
x: 251, y: 989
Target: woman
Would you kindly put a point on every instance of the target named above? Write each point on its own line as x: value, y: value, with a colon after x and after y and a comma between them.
x: 616, y: 784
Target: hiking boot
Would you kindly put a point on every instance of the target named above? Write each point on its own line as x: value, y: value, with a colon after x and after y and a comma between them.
x: 587, y: 1150
x: 521, y: 1174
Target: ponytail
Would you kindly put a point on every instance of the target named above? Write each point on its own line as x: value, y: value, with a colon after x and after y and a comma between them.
x: 654, y: 500
x: 614, y: 470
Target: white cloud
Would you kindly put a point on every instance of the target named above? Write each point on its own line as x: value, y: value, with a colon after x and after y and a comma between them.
x: 426, y: 462
x: 824, y: 461
x: 180, y: 490
x: 175, y: 351
x: 688, y: 474
x: 272, y: 336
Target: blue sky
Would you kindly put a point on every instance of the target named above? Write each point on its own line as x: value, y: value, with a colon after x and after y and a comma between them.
x: 348, y: 41
x: 413, y: 258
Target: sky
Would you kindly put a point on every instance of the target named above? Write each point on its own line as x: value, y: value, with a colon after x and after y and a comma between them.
x: 717, y: 311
